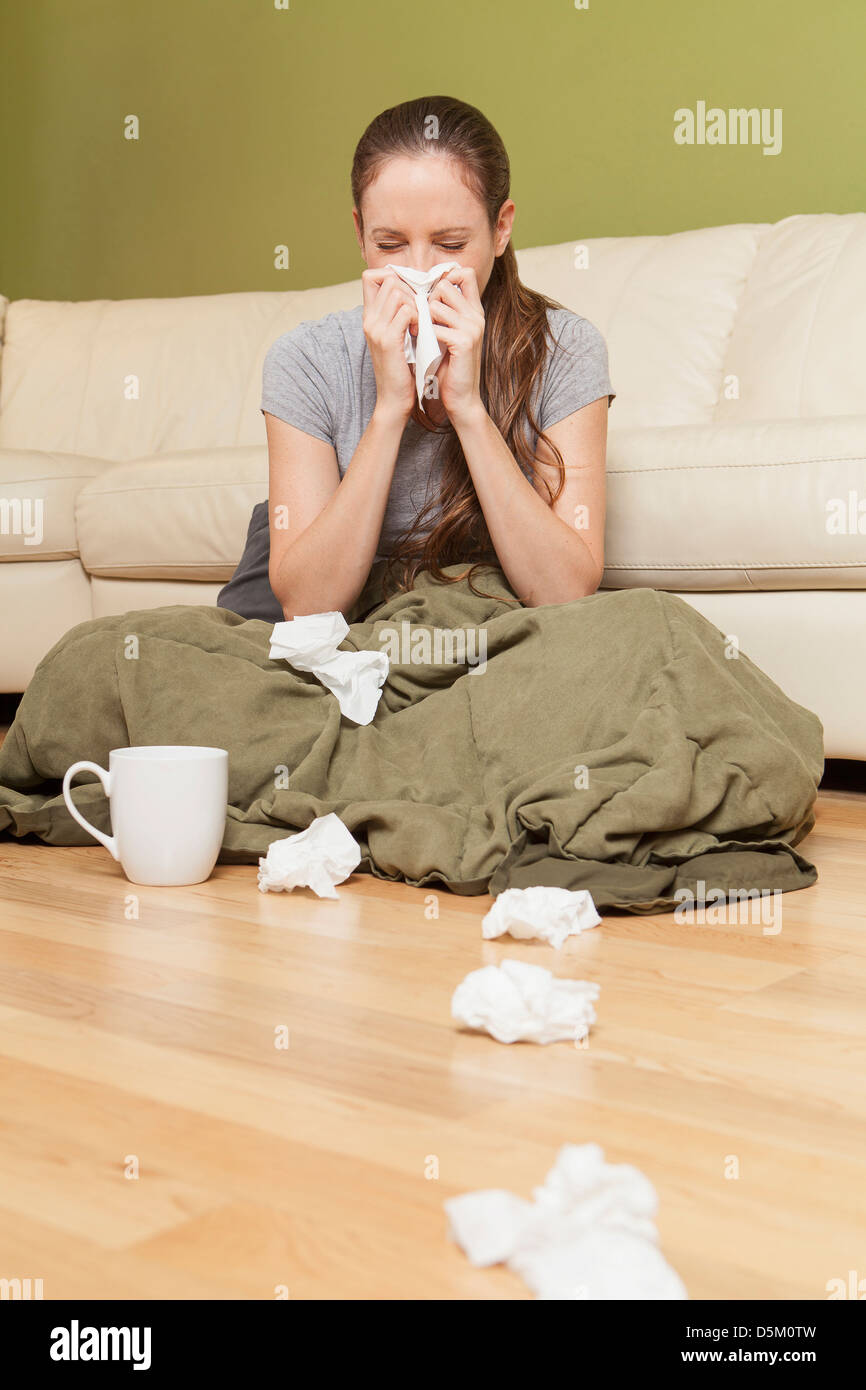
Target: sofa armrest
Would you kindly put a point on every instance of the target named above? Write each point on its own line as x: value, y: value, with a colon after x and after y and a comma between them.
x: 37, y: 502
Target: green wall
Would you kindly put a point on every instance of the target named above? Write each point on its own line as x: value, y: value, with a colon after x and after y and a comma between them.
x: 249, y: 117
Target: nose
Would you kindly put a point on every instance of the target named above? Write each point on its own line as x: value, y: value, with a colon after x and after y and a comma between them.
x: 422, y: 257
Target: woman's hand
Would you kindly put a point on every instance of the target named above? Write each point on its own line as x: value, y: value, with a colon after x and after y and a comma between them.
x: 456, y: 311
x: 389, y: 309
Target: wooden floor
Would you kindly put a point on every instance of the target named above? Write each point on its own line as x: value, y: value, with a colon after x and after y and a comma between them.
x: 312, y: 1168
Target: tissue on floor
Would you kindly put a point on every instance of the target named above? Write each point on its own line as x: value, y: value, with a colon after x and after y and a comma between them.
x: 425, y: 352
x: 589, y: 1233
x: 548, y: 914
x: 516, y: 1002
x: 310, y: 643
x: 490, y: 1224
x: 581, y: 1190
x: 319, y: 857
x: 601, y: 1264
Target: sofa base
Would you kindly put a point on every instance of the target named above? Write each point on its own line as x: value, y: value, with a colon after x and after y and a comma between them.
x: 111, y: 596
x: 39, y: 601
x: 812, y: 643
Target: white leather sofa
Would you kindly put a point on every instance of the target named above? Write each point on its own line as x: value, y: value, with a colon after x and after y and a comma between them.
x: 736, y: 464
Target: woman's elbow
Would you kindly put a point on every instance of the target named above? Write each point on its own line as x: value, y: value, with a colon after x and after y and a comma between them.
x: 581, y: 585
x: 592, y: 583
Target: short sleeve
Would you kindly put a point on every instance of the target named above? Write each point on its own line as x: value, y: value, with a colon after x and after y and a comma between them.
x: 577, y: 371
x: 295, y: 386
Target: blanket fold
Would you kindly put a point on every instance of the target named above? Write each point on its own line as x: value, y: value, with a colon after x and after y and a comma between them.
x: 611, y: 743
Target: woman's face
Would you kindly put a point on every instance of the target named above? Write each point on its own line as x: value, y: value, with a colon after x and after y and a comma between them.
x: 419, y: 212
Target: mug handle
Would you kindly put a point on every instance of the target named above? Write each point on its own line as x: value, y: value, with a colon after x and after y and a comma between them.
x: 110, y: 841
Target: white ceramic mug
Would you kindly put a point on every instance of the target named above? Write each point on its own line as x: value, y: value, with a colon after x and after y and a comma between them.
x: 168, y: 810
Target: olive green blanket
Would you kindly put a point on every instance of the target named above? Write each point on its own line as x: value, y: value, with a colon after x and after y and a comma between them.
x: 615, y: 743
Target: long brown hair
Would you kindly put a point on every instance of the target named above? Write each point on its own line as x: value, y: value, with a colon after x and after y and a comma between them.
x: 514, y: 348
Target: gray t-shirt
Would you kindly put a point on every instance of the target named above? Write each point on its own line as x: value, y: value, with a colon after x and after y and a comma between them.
x: 319, y: 377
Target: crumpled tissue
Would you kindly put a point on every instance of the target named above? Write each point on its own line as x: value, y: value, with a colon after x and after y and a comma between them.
x: 318, y: 857
x: 310, y: 643
x: 589, y: 1233
x: 516, y: 1002
x: 425, y: 352
x: 550, y: 914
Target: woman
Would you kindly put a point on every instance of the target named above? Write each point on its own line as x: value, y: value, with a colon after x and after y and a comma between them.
x: 505, y: 463
x: 610, y: 745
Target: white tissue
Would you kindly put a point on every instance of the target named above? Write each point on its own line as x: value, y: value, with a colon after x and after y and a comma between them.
x: 425, y: 352
x: 488, y: 1225
x: 589, y: 1234
x: 310, y: 643
x: 319, y: 857
x: 515, y: 1002
x: 601, y: 1264
x: 581, y: 1191
x: 550, y: 914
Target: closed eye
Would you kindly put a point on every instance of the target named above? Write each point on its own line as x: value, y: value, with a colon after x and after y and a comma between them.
x: 446, y: 246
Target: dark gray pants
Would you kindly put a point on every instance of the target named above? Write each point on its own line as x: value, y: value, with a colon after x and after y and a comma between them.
x: 249, y: 591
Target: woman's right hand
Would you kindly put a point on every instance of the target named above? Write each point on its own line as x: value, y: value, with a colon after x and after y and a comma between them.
x: 389, y: 309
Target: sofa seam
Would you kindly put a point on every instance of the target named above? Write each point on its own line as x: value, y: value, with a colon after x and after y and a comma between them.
x: 742, y: 564
x: 722, y: 467
x: 643, y: 564
x: 49, y: 478
x: 155, y: 564
x: 169, y: 487
x: 27, y: 558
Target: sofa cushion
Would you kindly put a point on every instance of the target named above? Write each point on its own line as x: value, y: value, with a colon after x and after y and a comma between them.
x: 798, y: 346
x: 750, y: 321
x: 126, y: 378
x: 171, y: 516
x: 773, y: 505
x: 666, y: 307
x: 37, y: 502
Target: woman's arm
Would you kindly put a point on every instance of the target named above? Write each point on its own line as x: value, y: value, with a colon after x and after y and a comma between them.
x: 548, y: 554
x: 324, y: 531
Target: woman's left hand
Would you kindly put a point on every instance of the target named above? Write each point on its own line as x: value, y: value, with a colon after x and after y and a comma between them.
x: 455, y: 308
